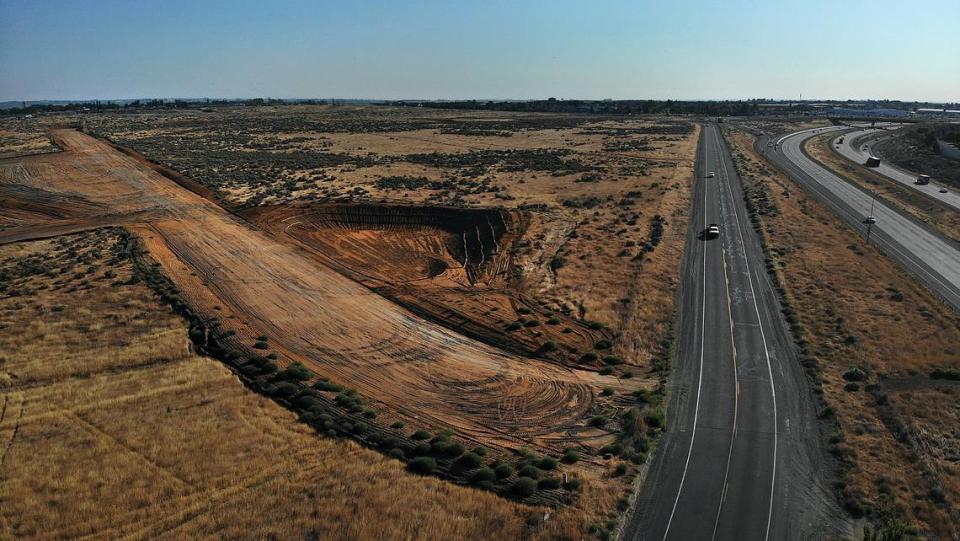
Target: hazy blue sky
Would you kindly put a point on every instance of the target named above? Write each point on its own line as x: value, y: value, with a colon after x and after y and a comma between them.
x: 484, y: 49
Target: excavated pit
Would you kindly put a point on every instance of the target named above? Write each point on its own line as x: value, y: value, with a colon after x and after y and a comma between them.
x: 449, y: 265
x: 379, y: 244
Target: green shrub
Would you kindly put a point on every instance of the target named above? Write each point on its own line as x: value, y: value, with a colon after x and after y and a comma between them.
x: 572, y: 484
x: 532, y: 323
x: 603, y: 344
x: 547, y: 463
x: 420, y: 435
x: 397, y: 453
x: 261, y: 345
x: 397, y: 424
x: 570, y: 456
x: 548, y: 346
x: 554, y: 320
x: 656, y: 419
x: 422, y: 465
x: 285, y: 389
x: 296, y: 372
x: 325, y: 385
x: 607, y: 391
x: 548, y: 483
x: 524, y: 310
x: 480, y: 450
x: 529, y: 471
x: 484, y: 474
x: 854, y: 374
x: 598, y: 421
x: 612, y: 360
x: 589, y: 357
x: 503, y: 471
x: 469, y: 460
x: 447, y: 449
x: 620, y: 470
x: 524, y: 487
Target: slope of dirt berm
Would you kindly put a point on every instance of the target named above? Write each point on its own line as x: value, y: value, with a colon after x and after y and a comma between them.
x: 306, y: 312
x: 450, y: 265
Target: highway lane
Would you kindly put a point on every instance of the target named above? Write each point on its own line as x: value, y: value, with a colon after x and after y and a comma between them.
x: 931, y: 259
x: 742, y: 455
x: 854, y: 148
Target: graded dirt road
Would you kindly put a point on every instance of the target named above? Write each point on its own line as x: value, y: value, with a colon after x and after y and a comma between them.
x: 932, y: 260
x: 743, y: 455
x: 417, y: 370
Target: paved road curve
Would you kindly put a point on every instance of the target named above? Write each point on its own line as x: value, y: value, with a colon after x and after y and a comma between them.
x: 855, y: 148
x: 933, y: 260
x: 742, y: 455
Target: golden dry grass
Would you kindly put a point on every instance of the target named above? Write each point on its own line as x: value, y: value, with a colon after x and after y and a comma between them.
x: 137, y: 437
x: 848, y: 298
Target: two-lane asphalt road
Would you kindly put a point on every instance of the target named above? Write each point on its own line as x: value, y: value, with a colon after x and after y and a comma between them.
x: 933, y: 260
x: 856, y: 148
x: 742, y: 455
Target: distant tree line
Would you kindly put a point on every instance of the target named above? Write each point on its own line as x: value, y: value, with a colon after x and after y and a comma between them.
x: 624, y: 107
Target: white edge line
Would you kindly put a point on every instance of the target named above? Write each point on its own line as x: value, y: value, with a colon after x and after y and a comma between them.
x: 703, y: 319
x: 766, y: 352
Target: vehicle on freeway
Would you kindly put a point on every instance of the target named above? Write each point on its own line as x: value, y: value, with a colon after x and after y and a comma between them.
x: 872, y: 161
x: 870, y: 220
x: 923, y: 179
x: 943, y: 190
x: 712, y: 232
x: 711, y: 174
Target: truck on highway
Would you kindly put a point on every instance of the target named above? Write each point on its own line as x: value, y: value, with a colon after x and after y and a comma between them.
x: 923, y: 180
x: 872, y: 161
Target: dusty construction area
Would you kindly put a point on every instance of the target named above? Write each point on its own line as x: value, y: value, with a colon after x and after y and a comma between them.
x: 490, y: 339
x: 108, y: 422
x: 880, y: 349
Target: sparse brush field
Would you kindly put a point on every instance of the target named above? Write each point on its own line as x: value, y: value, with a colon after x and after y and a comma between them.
x: 601, y: 193
x: 486, y: 297
x: 883, y: 352
x: 112, y: 427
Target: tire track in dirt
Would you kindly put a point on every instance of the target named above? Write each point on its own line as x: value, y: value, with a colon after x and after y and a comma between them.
x: 314, y: 315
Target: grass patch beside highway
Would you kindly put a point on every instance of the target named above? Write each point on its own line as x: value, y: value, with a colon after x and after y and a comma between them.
x: 870, y: 338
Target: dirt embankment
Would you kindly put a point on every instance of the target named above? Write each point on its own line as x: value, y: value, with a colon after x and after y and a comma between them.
x: 413, y: 369
x: 451, y: 266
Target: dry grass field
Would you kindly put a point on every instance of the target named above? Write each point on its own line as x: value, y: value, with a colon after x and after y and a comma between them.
x: 897, y: 438
x: 525, y: 312
x: 112, y: 427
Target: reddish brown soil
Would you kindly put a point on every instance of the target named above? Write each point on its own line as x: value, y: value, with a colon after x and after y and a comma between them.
x: 451, y: 266
x: 412, y: 368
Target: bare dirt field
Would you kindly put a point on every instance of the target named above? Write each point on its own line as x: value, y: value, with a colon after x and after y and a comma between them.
x: 111, y: 426
x: 479, y: 322
x: 881, y: 351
